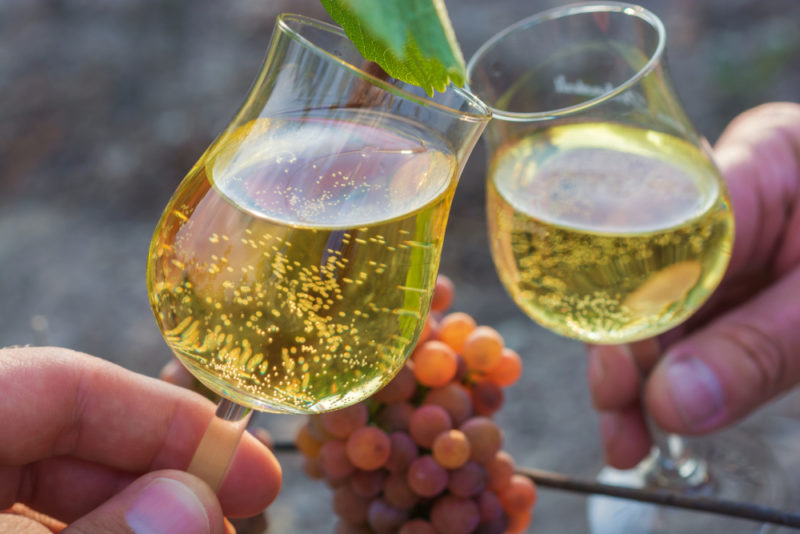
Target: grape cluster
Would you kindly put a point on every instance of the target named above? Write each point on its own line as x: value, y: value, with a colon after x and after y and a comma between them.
x: 423, y: 455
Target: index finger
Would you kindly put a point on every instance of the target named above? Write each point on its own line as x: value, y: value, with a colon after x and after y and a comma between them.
x: 759, y: 156
x: 61, y: 403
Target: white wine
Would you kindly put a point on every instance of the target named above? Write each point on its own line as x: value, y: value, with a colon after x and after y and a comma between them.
x: 607, y: 233
x: 293, y: 269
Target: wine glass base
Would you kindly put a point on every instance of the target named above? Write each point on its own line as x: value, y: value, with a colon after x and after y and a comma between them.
x: 740, y: 468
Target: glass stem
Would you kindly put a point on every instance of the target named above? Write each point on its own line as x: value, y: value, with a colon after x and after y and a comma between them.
x: 215, y: 450
x: 671, y: 464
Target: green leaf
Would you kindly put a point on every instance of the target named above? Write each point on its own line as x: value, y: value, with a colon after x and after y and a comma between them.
x: 412, y: 40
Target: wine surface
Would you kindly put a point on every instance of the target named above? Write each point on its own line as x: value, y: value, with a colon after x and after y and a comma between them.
x: 293, y: 269
x: 607, y: 233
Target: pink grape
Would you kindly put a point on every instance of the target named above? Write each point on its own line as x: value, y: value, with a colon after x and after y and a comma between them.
x: 367, y: 484
x: 383, y: 517
x: 485, y: 438
x: 368, y: 448
x: 417, y: 526
x: 469, y: 480
x: 403, y: 452
x: 395, y: 416
x: 483, y: 349
x: 430, y: 330
x: 306, y: 443
x: 316, y: 428
x: 518, y: 523
x: 400, y: 389
x: 500, y: 469
x: 443, y: 293
x: 350, y: 506
x: 454, y: 515
x: 427, y: 422
x: 508, y: 371
x: 498, y: 525
x: 520, y: 495
x: 489, y: 507
x: 341, y: 423
x: 343, y: 527
x: 455, y: 399
x: 451, y: 449
x: 426, y: 477
x: 487, y: 397
x: 398, y: 493
x: 435, y: 363
x: 461, y: 370
x: 334, y: 481
x: 333, y: 459
x: 312, y: 468
x: 454, y: 328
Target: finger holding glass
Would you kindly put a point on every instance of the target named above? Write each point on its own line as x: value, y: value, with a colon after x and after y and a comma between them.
x: 743, y: 340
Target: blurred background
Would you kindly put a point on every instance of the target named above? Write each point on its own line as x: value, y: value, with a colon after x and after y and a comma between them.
x: 105, y: 105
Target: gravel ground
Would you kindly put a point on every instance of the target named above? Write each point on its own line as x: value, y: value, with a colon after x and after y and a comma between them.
x: 105, y: 105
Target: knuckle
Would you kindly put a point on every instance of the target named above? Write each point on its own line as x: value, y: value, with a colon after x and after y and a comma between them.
x: 764, y: 352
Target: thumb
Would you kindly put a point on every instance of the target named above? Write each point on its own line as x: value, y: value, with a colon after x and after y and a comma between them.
x: 726, y: 370
x: 168, y: 502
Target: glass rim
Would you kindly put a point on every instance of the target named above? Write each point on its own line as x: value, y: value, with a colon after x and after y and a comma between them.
x: 564, y: 11
x: 284, y: 23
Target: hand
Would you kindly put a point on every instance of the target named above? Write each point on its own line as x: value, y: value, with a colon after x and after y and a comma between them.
x: 100, y: 448
x: 743, y: 348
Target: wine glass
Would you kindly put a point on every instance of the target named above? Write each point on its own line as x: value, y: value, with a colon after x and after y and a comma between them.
x: 608, y: 220
x: 293, y: 268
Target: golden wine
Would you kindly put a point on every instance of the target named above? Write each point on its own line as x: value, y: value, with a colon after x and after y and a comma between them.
x: 607, y: 233
x: 293, y: 269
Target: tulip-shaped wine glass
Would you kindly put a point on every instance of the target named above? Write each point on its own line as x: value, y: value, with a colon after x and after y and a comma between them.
x: 608, y: 220
x: 293, y: 268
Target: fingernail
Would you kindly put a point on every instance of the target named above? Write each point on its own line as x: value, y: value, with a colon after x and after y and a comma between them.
x: 696, y: 392
x: 166, y: 506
